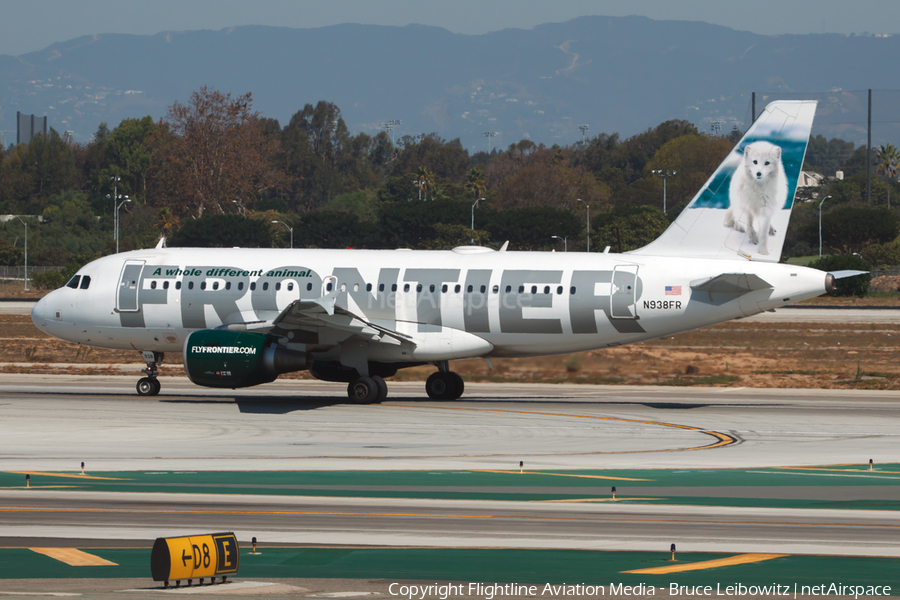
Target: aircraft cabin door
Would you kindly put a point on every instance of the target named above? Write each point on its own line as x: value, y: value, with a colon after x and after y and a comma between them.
x: 127, y: 299
x: 623, y: 293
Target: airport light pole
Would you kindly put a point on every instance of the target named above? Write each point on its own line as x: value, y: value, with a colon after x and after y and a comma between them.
x: 665, y: 174
x: 489, y: 135
x: 127, y: 199
x: 26, y: 249
x: 389, y: 125
x: 291, y: 229
x: 583, y: 129
x: 588, y: 207
x: 820, y: 224
x: 115, y: 179
x: 564, y: 239
x: 473, y: 216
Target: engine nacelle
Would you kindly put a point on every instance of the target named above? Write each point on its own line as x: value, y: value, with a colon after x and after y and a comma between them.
x: 233, y: 359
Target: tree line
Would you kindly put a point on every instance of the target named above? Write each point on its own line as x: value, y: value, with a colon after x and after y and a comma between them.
x: 213, y: 172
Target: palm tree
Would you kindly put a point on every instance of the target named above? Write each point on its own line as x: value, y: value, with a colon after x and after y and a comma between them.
x: 887, y: 164
x: 167, y: 222
x: 475, y: 183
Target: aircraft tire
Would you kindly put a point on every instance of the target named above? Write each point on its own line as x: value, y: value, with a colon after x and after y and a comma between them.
x: 441, y: 386
x: 363, y: 390
x: 147, y: 386
x: 382, y: 388
x: 460, y: 385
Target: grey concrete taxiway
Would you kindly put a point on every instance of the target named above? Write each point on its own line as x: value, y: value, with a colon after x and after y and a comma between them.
x: 52, y: 423
x: 55, y: 422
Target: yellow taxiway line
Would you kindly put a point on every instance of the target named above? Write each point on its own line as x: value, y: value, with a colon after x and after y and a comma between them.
x: 72, y: 475
x: 74, y: 557
x: 561, y: 475
x: 740, y: 559
x: 723, y: 439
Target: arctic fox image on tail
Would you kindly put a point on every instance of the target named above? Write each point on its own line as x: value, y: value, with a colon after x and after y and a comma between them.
x: 758, y: 188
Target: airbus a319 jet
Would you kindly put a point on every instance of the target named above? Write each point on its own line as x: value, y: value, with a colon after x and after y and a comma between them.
x: 241, y: 317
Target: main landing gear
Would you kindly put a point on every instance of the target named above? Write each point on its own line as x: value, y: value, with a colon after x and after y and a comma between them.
x: 443, y: 385
x: 149, y: 385
x: 365, y: 390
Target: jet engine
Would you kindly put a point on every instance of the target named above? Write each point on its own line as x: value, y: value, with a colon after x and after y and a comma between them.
x: 233, y: 359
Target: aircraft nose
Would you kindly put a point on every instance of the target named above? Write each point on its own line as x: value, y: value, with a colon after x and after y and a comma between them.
x: 40, y: 313
x: 45, y: 312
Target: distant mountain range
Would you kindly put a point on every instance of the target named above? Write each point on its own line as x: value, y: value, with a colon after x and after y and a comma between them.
x: 615, y: 74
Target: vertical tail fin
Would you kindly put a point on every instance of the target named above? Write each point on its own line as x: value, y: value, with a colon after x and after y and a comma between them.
x: 743, y: 209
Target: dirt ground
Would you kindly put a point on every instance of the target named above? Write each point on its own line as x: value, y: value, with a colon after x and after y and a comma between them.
x: 738, y: 354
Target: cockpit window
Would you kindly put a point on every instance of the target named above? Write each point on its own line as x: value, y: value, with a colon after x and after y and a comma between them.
x: 85, y: 282
x: 73, y: 283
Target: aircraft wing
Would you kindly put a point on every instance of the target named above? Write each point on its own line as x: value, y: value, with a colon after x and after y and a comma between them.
x: 311, y: 315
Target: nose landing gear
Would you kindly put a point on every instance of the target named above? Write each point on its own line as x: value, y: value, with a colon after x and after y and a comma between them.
x: 149, y: 385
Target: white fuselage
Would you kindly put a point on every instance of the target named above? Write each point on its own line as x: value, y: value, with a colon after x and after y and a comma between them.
x: 522, y: 303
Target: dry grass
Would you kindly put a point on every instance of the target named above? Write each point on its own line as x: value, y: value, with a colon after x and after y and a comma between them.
x: 773, y: 355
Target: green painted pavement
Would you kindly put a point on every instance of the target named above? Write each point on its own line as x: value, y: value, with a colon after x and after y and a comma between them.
x: 537, y: 567
x: 481, y: 485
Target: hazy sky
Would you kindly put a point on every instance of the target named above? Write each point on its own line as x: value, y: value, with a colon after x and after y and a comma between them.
x: 28, y: 25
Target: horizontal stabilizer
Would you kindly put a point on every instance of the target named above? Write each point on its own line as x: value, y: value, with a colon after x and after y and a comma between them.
x: 731, y: 283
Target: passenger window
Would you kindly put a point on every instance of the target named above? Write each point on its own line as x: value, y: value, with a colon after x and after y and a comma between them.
x: 483, y: 289
x: 177, y: 285
x: 278, y: 286
x: 419, y: 287
x: 355, y: 287
x: 508, y: 289
x: 73, y: 283
x: 153, y: 285
x: 165, y: 285
x: 496, y: 289
x: 227, y: 285
x: 380, y: 287
x: 215, y: 285
x: 521, y: 289
x: 431, y: 288
x: 572, y: 290
x: 190, y: 285
x: 202, y: 285
x: 444, y: 288
x: 308, y: 287
x: 546, y: 289
x: 559, y: 291
x: 393, y: 287
x: 329, y: 287
x: 406, y: 288
x: 266, y: 286
x: 290, y: 287
x: 456, y: 288
x: 368, y: 287
x: 252, y: 286
x: 240, y: 285
x: 534, y: 289
x: 470, y: 289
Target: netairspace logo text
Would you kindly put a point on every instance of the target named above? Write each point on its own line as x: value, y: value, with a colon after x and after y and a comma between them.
x: 490, y: 591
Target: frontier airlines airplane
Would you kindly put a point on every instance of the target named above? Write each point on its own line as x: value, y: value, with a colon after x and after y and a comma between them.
x: 241, y: 317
